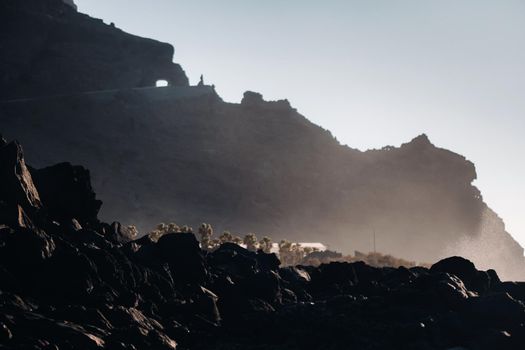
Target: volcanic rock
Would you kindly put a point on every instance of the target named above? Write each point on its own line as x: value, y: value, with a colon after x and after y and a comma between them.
x: 466, y: 271
x: 62, y: 286
x: 17, y: 183
x: 67, y: 193
x: 182, y: 253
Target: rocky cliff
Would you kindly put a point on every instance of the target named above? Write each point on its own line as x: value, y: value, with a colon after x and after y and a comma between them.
x: 52, y: 49
x: 68, y: 281
x: 182, y: 154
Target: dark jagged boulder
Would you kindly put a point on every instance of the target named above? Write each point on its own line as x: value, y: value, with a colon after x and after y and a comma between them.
x: 66, y: 286
x: 334, y: 277
x: 17, y: 193
x: 69, y: 277
x: 120, y: 234
x: 23, y: 252
x: 184, y: 256
x: 496, y: 339
x: 399, y: 277
x: 479, y: 281
x: 497, y: 310
x: 294, y: 281
x: 234, y: 260
x: 267, y: 261
x: 42, y: 332
x: 514, y: 289
x: 5, y: 333
x: 294, y: 275
x: 443, y: 289
x: 365, y: 273
x: 14, y: 216
x: 67, y: 193
x: 264, y: 285
x: 81, y: 314
x: 206, y: 305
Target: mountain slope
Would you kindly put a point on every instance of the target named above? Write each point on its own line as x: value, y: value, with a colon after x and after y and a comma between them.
x: 52, y: 49
x: 182, y: 154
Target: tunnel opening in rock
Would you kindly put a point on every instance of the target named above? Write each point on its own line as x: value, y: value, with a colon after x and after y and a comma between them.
x: 161, y: 83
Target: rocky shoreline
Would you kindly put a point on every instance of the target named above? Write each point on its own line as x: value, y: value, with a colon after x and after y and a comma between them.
x: 69, y: 281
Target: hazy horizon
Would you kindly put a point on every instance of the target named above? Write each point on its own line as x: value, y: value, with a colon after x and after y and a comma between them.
x: 374, y: 73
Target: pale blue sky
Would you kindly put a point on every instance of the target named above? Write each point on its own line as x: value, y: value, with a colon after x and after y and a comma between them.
x: 373, y: 72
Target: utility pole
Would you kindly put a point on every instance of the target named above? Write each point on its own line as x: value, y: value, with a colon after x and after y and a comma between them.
x: 374, y: 240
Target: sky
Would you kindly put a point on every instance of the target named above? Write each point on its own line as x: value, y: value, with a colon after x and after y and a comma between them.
x: 373, y: 72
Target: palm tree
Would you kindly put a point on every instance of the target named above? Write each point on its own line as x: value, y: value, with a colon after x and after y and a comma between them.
x: 265, y: 244
x: 133, y: 232
x: 297, y: 254
x: 285, y: 248
x: 173, y: 228
x: 186, y: 229
x: 226, y: 237
x: 205, y: 231
x: 251, y: 241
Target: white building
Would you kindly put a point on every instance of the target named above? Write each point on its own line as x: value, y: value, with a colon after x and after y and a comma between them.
x: 314, y: 245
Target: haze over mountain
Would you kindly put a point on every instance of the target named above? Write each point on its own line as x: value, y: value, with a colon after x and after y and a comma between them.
x: 374, y: 73
x: 182, y: 154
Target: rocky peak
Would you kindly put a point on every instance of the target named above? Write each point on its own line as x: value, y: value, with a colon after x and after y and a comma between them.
x: 421, y: 139
x: 255, y: 99
x: 419, y: 142
x: 251, y: 98
x: 61, y: 193
x: 71, y: 3
x: 17, y: 183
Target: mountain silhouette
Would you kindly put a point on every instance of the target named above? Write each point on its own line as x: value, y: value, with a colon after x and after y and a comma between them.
x: 73, y: 88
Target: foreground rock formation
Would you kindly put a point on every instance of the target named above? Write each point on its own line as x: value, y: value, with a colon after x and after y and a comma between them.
x: 69, y: 281
x: 182, y: 154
